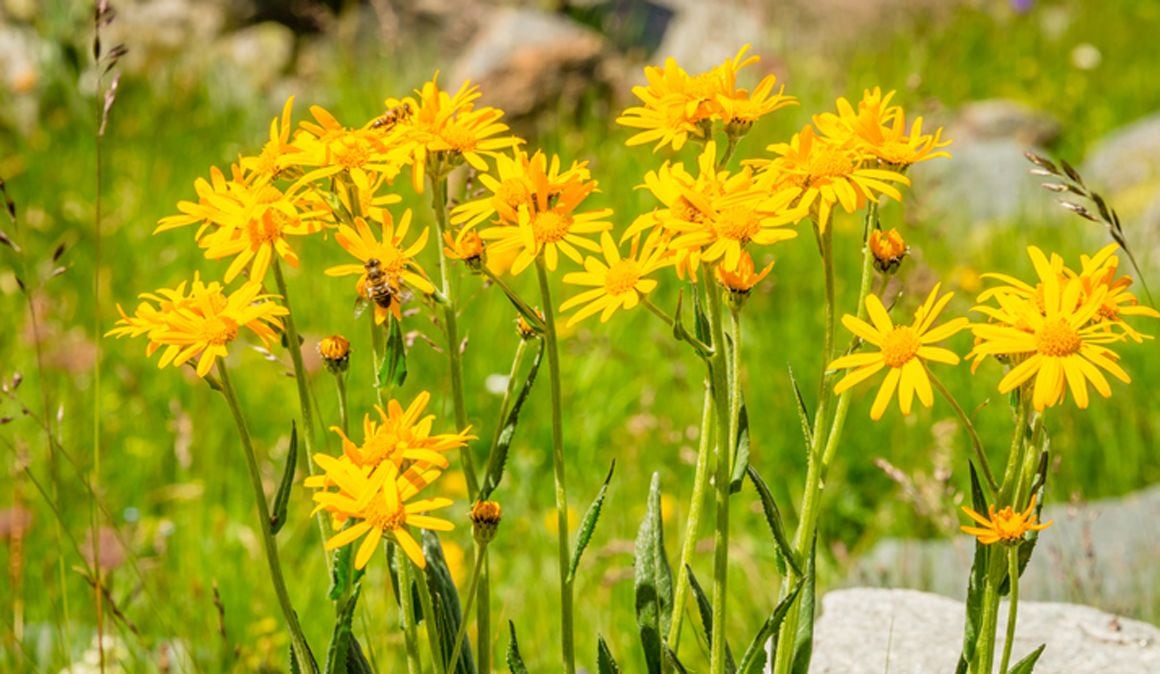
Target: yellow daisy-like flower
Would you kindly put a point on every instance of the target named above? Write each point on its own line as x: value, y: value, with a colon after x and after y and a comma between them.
x: 278, y: 152
x: 402, y: 435
x: 1052, y: 336
x: 904, y: 349
x: 880, y: 129
x: 362, y: 157
x: 519, y: 180
x: 379, y: 504
x: 1004, y: 526
x: 822, y: 174
x: 201, y: 323
x: 888, y: 248
x: 617, y: 282
x: 396, y: 259
x: 1099, y: 271
x: 744, y: 278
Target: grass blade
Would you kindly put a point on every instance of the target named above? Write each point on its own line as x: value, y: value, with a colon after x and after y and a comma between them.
x: 445, y: 604
x: 588, y: 525
x: 605, y: 663
x: 753, y: 661
x: 803, y: 411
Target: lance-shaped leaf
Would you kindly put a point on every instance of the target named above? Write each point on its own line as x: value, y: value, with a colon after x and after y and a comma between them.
x: 445, y: 604
x: 773, y: 519
x: 741, y: 455
x: 705, y: 609
x: 282, y: 496
x: 974, y: 620
x: 393, y: 572
x: 497, y: 458
x: 605, y: 663
x: 1027, y: 664
x: 342, y: 641
x: 803, y: 648
x: 515, y: 661
x: 588, y: 524
x: 803, y: 411
x: 393, y: 369
x: 753, y: 661
x: 653, y: 581
x: 701, y: 322
x: 342, y: 572
x: 674, y: 661
x: 356, y: 660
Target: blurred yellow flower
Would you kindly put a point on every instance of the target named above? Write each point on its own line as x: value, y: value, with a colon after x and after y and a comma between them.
x: 1003, y: 526
x: 617, y: 282
x: 879, y: 129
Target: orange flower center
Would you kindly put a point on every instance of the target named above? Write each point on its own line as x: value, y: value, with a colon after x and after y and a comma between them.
x: 377, y: 515
x: 899, y: 346
x: 683, y: 210
x: 550, y: 226
x: 1008, y: 526
x: 220, y: 330
x: 829, y: 162
x: 1057, y: 338
x: 350, y: 153
x: 737, y: 223
x: 459, y: 137
x: 622, y: 277
x: 513, y: 192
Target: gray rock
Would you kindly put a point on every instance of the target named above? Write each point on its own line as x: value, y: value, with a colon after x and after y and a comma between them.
x: 869, y: 631
x: 703, y: 34
x: 164, y: 33
x: 1001, y: 118
x: 256, y: 56
x: 1128, y: 158
x: 1097, y: 553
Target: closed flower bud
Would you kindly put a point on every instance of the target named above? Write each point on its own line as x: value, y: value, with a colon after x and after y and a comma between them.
x: 335, y: 352
x: 888, y: 249
x: 485, y: 517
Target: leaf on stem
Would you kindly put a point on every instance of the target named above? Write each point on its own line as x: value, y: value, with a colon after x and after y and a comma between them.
x: 974, y: 619
x: 393, y: 370
x: 445, y: 604
x: 653, y: 581
x: 1027, y: 664
x: 773, y: 519
x: 701, y: 321
x: 343, y: 642
x: 803, y: 648
x: 741, y: 455
x: 674, y: 661
x: 282, y: 496
x: 803, y: 411
x: 753, y: 661
x: 588, y: 524
x: 605, y: 663
x: 515, y: 661
x: 705, y: 609
x: 497, y: 458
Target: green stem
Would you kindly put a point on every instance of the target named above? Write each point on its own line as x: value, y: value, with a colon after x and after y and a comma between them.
x: 518, y: 302
x: 985, y: 650
x: 407, y: 613
x: 696, y: 508
x: 1029, y: 464
x: 976, y: 443
x: 567, y: 647
x: 1012, y: 605
x: 472, y: 587
x: 302, y: 653
x: 343, y: 414
x: 1014, y: 455
x: 429, y: 618
x: 701, y: 348
x: 726, y: 426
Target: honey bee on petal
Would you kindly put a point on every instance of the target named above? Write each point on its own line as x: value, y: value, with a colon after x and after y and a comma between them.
x: 387, y: 120
x: 378, y: 287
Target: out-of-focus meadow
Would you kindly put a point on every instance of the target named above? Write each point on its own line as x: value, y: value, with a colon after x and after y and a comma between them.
x: 182, y: 559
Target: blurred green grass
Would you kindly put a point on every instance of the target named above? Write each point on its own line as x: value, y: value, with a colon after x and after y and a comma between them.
x: 171, y: 476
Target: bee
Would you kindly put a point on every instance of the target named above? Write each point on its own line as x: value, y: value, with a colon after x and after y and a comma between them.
x: 378, y: 288
x: 392, y: 116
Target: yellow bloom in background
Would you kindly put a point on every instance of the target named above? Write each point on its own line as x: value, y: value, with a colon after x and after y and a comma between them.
x: 1099, y: 271
x: 904, y: 349
x: 617, y: 282
x: 823, y: 174
x: 201, y: 323
x: 377, y: 506
x: 1003, y: 526
x: 879, y: 129
x: 402, y: 435
x: 396, y: 258
x: 466, y: 245
x: 1050, y: 333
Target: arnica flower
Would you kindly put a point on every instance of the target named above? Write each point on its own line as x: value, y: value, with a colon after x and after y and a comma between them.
x: 1004, y: 526
x: 396, y: 259
x: 888, y: 249
x: 335, y: 352
x: 1099, y: 271
x: 617, y: 282
x: 744, y: 278
x: 400, y: 436
x: 466, y: 246
x: 904, y: 349
x: 444, y: 130
x: 201, y: 323
x: 517, y: 181
x: 278, y: 152
x: 879, y: 129
x: 248, y: 219
x: 1049, y: 332
x: 361, y: 157
x: 823, y: 174
x: 378, y: 504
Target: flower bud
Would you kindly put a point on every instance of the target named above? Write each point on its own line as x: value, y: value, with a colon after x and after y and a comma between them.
x: 335, y: 352
x: 485, y: 517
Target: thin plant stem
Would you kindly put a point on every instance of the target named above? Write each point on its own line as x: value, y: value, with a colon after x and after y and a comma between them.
x: 696, y: 508
x: 343, y: 413
x: 701, y: 348
x: 722, y: 407
x: 976, y: 443
x: 520, y: 304
x: 472, y: 587
x: 302, y: 652
x: 1012, y: 606
x: 1029, y: 464
x: 566, y: 645
x: 407, y: 614
x: 1015, y: 454
x: 985, y: 649
x: 429, y: 618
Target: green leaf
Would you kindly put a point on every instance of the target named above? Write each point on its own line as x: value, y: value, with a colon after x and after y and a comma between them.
x: 803, y: 648
x: 282, y: 496
x: 1027, y: 664
x: 445, y: 604
x: 342, y: 572
x: 741, y: 455
x: 294, y: 668
x: 356, y: 660
x: 701, y: 321
x: 653, y: 581
x: 605, y: 663
x: 674, y: 661
x: 773, y: 519
x: 754, y: 659
x: 514, y: 661
x: 393, y: 572
x: 803, y: 411
x: 588, y: 524
x: 497, y: 458
x: 393, y: 369
x: 705, y: 609
x: 978, y: 578
x: 337, y: 654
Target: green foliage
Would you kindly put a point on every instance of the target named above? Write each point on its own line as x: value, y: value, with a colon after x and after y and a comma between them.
x: 1027, y: 664
x: 653, y: 581
x: 588, y: 524
x: 282, y: 496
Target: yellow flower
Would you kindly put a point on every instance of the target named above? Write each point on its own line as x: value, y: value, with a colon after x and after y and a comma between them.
x: 201, y: 323
x: 466, y: 246
x: 888, y: 249
x: 1005, y: 526
x: 400, y: 436
x: 617, y: 283
x: 519, y: 180
x: 904, y: 349
x: 377, y: 505
x: 880, y: 129
x: 1099, y: 271
x: 741, y: 281
x: 359, y: 156
x: 485, y: 517
x: 278, y: 153
x: 822, y: 174
x: 1049, y: 331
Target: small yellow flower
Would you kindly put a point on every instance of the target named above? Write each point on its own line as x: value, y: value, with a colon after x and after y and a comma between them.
x: 880, y: 129
x: 617, y: 282
x: 335, y: 352
x: 402, y: 435
x: 1099, y: 271
x: 888, y: 248
x: 741, y: 281
x: 1004, y: 526
x: 904, y: 349
x: 466, y: 246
